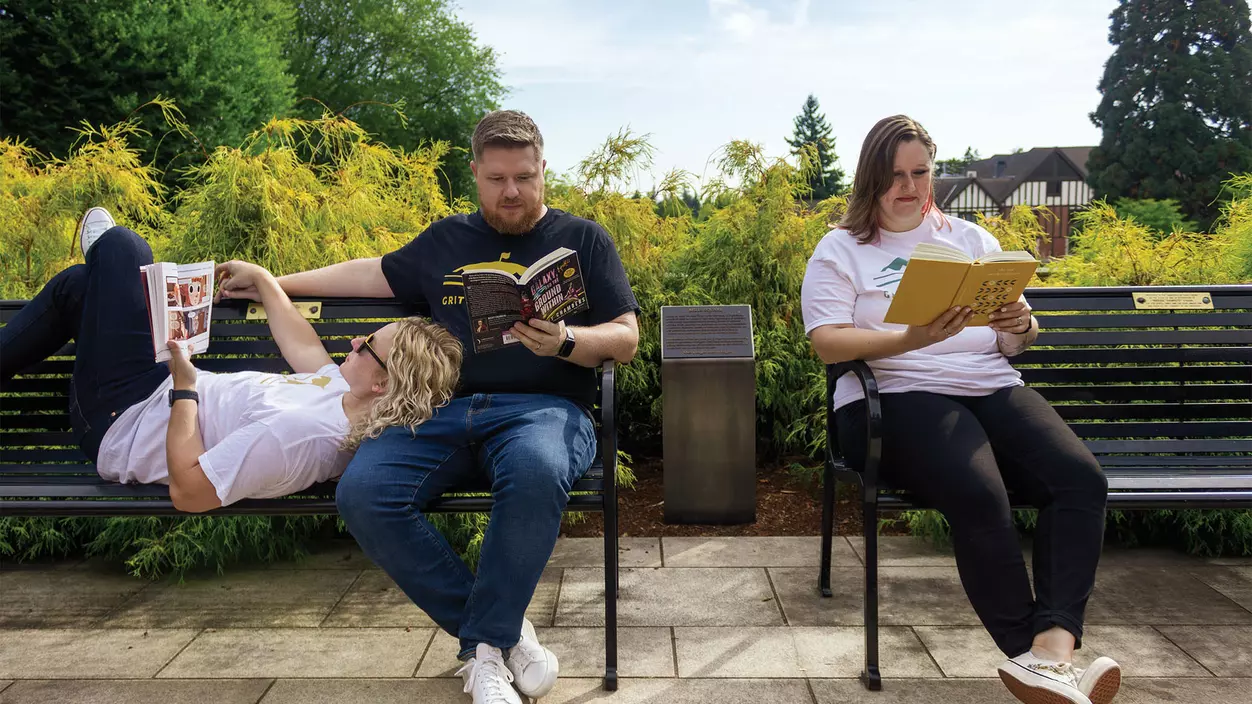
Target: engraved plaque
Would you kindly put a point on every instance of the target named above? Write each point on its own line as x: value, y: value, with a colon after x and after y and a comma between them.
x: 1172, y: 300
x: 695, y: 332
x: 309, y: 309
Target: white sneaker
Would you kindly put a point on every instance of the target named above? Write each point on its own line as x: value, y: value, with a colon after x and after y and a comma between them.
x: 1101, y: 680
x: 1036, y: 681
x: 487, y: 679
x: 534, y: 667
x: 94, y: 223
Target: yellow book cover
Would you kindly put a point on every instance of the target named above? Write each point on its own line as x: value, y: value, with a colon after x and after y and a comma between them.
x: 939, y: 277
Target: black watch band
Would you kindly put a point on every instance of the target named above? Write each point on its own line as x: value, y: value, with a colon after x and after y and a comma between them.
x: 180, y: 394
x: 567, y: 347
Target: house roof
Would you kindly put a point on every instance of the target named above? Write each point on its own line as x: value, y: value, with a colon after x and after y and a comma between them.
x: 947, y: 187
x: 1015, y: 170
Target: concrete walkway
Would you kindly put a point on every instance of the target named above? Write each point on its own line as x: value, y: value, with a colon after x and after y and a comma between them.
x: 726, y: 620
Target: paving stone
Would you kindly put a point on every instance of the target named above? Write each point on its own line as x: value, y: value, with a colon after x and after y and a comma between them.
x: 931, y: 596
x: 672, y: 691
x: 63, y: 597
x: 1140, y: 650
x: 905, y: 551
x: 1174, y: 691
x: 781, y: 551
x: 252, y: 598
x: 796, y: 652
x: 136, y: 691
x: 1225, y: 650
x: 302, y: 652
x: 589, y: 552
x: 337, y: 554
x: 671, y: 596
x: 641, y: 652
x: 905, y: 691
x: 1122, y: 556
x: 88, y: 653
x: 367, y: 691
x: 4, y: 684
x: 375, y: 601
x: 1235, y: 583
x: 803, y: 605
x: 1159, y: 595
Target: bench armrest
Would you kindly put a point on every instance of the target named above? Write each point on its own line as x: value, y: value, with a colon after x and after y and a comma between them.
x: 873, y: 421
x: 608, y: 427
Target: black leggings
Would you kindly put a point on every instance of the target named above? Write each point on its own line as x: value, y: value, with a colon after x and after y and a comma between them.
x: 958, y: 454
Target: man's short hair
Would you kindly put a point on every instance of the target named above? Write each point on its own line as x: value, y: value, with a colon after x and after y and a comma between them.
x: 506, y: 128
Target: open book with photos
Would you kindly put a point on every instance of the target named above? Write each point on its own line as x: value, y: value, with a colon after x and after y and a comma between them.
x: 180, y: 305
x: 938, y: 277
x: 551, y: 289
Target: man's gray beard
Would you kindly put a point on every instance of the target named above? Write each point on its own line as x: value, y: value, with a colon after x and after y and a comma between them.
x: 530, y: 218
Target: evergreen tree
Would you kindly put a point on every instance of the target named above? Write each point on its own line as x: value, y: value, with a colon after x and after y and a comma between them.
x: 957, y: 166
x: 1177, y: 103
x: 812, y: 133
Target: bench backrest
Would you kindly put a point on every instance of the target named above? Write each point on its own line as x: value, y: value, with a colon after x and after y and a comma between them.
x: 1172, y: 384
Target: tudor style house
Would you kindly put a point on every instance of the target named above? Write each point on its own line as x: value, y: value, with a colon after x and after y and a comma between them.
x: 1052, y: 180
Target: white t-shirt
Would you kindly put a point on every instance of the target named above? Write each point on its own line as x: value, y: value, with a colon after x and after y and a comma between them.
x: 847, y: 282
x: 265, y: 435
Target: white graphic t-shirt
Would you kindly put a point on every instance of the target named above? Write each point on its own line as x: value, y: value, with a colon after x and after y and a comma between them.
x: 847, y: 282
x: 265, y: 435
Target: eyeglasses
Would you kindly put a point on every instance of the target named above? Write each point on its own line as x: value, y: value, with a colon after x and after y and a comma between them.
x: 365, y: 344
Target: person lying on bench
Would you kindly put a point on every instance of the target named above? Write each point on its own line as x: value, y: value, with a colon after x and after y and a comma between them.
x: 218, y: 438
x: 959, y: 428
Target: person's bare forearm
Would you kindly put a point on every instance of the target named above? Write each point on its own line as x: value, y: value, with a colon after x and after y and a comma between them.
x: 297, y: 340
x: 836, y: 345
x: 1013, y: 344
x: 361, y: 278
x: 613, y: 340
x: 183, y: 443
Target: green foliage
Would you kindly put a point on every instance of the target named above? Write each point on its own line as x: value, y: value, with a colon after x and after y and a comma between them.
x: 812, y: 142
x: 957, y: 166
x: 412, y: 52
x: 1177, y: 102
x: 63, y: 62
x: 1161, y: 216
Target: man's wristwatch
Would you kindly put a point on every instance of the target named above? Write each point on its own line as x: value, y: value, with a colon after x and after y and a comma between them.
x: 181, y: 394
x: 567, y: 347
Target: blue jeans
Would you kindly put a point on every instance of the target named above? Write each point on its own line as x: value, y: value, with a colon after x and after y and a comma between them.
x: 101, y: 306
x: 532, y: 448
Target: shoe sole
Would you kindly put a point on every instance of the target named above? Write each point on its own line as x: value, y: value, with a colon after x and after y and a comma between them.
x: 1036, y: 695
x: 1106, y: 687
x: 544, y: 687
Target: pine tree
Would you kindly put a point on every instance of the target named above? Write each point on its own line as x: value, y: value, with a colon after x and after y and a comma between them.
x: 812, y: 132
x: 1177, y: 103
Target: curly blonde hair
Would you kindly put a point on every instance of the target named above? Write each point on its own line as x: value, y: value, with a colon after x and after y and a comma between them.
x: 423, y: 368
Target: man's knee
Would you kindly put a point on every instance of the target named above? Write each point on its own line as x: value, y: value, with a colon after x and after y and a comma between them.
x: 118, y: 238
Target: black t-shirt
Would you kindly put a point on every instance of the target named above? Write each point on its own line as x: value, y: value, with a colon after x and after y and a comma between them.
x: 428, y: 271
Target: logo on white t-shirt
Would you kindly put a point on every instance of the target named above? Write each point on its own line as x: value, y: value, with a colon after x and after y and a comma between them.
x: 891, y: 275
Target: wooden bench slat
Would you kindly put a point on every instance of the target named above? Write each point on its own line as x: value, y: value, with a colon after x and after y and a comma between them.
x: 1147, y: 392
x: 1144, y: 337
x: 1107, y: 375
x: 1154, y: 411
x: 1229, y: 429
x: 1196, y: 319
x: 1149, y: 446
x: 1123, y: 355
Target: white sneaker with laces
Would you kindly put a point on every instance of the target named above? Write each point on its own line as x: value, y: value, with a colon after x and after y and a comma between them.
x: 1101, y: 680
x: 487, y: 679
x: 94, y: 223
x: 1036, y: 681
x: 534, y: 667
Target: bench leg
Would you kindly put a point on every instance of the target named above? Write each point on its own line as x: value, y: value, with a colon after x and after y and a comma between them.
x: 828, y: 531
x: 871, y: 677
x: 611, y: 562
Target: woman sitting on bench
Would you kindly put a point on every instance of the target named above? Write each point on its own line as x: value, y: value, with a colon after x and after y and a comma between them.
x: 218, y: 438
x: 959, y: 428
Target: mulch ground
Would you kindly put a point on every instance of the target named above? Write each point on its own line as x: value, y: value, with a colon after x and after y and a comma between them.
x: 785, y: 505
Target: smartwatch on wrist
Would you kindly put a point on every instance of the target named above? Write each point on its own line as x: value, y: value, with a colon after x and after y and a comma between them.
x: 183, y: 394
x: 567, y: 347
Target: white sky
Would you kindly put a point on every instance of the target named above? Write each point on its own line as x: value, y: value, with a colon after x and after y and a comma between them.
x: 695, y: 74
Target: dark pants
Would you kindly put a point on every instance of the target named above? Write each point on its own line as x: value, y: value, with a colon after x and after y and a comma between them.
x: 959, y: 455
x: 100, y: 305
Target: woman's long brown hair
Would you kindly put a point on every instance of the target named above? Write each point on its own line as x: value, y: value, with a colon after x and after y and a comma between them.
x: 875, y: 173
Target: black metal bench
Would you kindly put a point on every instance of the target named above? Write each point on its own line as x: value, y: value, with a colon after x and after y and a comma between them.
x: 43, y: 473
x: 1163, y: 398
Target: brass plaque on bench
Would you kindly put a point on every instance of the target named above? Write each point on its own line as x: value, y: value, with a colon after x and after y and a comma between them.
x: 309, y: 309
x: 1173, y: 300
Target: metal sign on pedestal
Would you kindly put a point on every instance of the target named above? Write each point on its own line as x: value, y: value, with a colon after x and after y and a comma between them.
x: 708, y: 387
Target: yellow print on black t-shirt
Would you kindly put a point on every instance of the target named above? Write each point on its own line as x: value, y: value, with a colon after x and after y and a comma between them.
x: 454, y: 279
